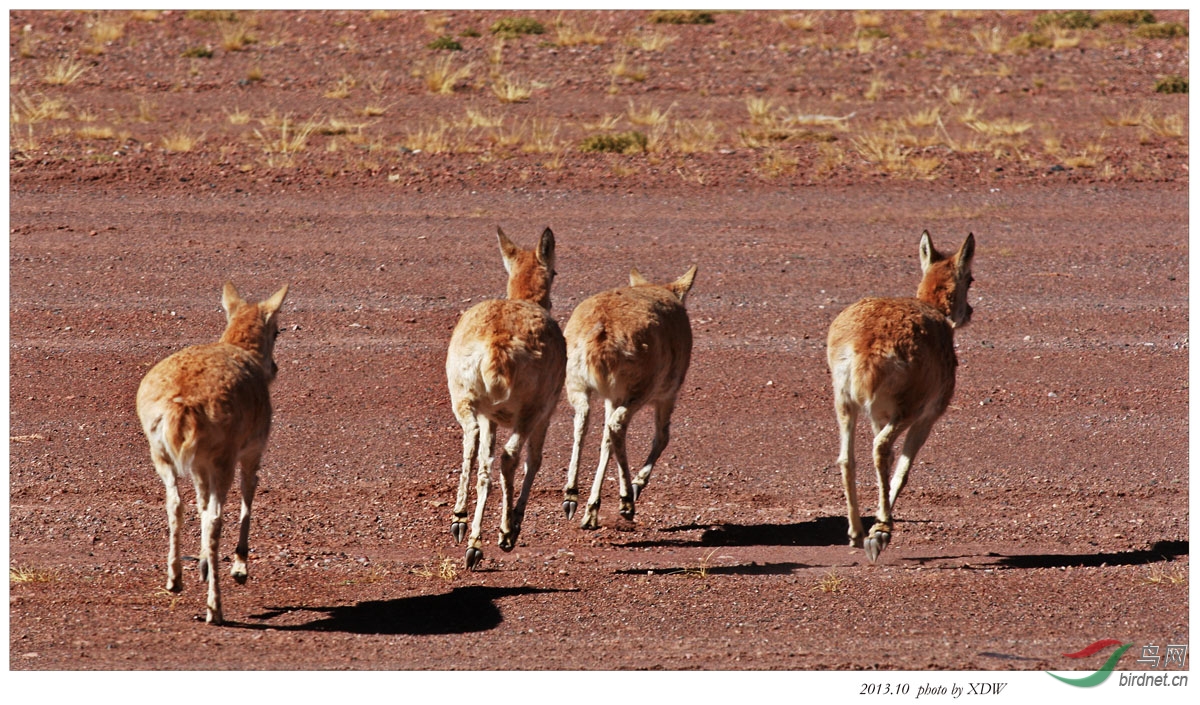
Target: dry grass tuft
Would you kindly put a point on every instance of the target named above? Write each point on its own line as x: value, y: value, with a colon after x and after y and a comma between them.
x: 444, y: 569
x: 34, y: 109
x: 568, y: 35
x: 1159, y: 576
x: 181, y: 140
x: 647, y: 115
x: 654, y: 41
x: 21, y: 575
x: 64, y: 72
x: 442, y: 76
x: 342, y: 88
x: 510, y: 90
x: 832, y: 583
x: 286, y: 141
x: 621, y: 68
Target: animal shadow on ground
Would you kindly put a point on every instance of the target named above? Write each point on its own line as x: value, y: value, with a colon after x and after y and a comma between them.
x: 460, y: 611
x: 1160, y: 551
x: 822, y: 531
x: 751, y: 569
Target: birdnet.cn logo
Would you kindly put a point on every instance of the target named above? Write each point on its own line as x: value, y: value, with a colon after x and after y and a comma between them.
x: 1154, y: 657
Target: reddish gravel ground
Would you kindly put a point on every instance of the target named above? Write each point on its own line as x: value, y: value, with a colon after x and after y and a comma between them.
x: 1048, y: 510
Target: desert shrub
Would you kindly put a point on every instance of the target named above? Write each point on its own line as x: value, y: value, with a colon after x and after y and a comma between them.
x: 470, y: 32
x: 514, y: 26
x: 212, y: 15
x: 682, y: 17
x: 198, y: 53
x: 1161, y: 30
x: 1072, y: 19
x: 1171, y: 84
x: 1126, y: 17
x: 1030, y: 40
x: 445, y: 43
x: 620, y: 142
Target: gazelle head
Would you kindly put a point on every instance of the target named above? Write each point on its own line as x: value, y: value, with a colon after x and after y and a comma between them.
x: 530, y: 272
x: 946, y: 280
x: 253, y: 327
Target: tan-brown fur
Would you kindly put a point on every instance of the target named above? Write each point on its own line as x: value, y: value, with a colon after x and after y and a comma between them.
x: 505, y: 366
x: 203, y: 410
x: 895, y: 359
x: 631, y: 345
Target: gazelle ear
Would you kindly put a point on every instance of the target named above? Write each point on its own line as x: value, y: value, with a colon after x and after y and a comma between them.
x: 965, y: 254
x: 681, y: 286
x: 271, y: 306
x: 230, y: 301
x: 636, y: 278
x: 928, y: 254
x: 507, y: 250
x: 545, y: 249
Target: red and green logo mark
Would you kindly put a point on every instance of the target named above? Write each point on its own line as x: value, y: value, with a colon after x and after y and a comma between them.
x: 1101, y: 675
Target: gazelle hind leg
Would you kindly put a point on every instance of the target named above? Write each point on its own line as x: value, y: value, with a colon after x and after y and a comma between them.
x: 580, y: 401
x: 533, y: 462
x: 166, y: 472
x: 509, y: 459
x: 847, y: 415
x: 241, y: 554
x: 619, y: 422
x: 917, y: 435
x: 662, y: 435
x: 881, y: 532
x: 591, y: 515
x: 474, y: 542
x: 470, y: 427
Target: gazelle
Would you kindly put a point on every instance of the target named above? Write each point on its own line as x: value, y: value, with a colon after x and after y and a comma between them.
x: 505, y: 366
x: 632, y: 345
x: 203, y: 410
x: 895, y: 360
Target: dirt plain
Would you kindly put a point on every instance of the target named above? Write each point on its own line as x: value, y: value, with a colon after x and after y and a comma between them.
x: 795, y: 157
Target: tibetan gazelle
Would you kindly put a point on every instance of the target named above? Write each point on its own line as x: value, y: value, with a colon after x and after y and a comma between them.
x: 205, y: 409
x: 505, y: 367
x: 631, y: 345
x: 894, y: 359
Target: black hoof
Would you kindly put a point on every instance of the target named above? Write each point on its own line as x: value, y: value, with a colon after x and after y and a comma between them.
x: 240, y: 578
x: 459, y: 531
x: 569, y: 508
x: 626, y: 513
x: 474, y: 556
x: 875, y: 544
x: 175, y: 586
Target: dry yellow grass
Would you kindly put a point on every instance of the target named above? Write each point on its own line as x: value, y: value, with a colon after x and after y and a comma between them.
x: 37, y: 108
x: 510, y: 90
x: 802, y: 21
x: 341, y: 89
x: 441, y: 76
x: 64, y: 72
x: 832, y: 583
x: 287, y: 140
x: 1000, y: 127
x: 235, y: 36
x: 95, y: 132
x: 180, y: 140
x: 647, y: 114
x: 24, y: 574
x: 776, y: 162
x: 650, y: 42
x: 567, y: 34
x: 622, y: 68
